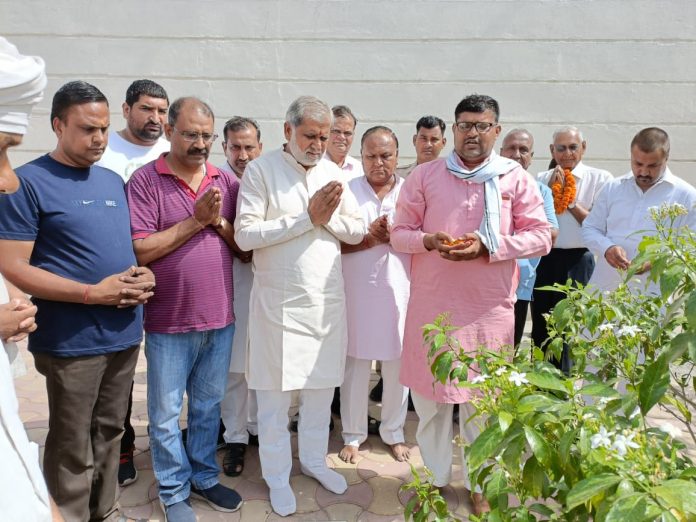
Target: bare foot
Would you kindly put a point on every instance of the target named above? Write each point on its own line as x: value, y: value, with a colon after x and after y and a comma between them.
x: 349, y: 454
x: 401, y: 451
x: 480, y: 503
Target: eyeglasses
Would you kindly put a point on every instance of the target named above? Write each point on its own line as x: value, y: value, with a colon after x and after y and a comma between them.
x: 482, y: 127
x: 345, y: 134
x: 572, y: 148
x: 193, y: 137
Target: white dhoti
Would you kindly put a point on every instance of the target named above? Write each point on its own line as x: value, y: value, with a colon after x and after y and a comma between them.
x: 238, y: 410
x: 434, y: 436
x: 354, y: 402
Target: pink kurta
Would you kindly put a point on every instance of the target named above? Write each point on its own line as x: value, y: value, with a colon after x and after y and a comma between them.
x: 377, y: 284
x: 480, y: 293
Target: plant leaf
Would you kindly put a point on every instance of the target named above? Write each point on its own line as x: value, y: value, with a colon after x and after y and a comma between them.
x: 634, y: 507
x: 654, y: 384
x: 538, y: 444
x: 678, y: 493
x: 484, y: 446
x: 533, y: 477
x: 589, y: 487
x: 505, y: 419
x: 546, y: 381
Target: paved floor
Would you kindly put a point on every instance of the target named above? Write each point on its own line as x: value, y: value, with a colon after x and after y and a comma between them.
x: 374, y: 482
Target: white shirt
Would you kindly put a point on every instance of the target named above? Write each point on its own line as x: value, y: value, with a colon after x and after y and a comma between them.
x: 351, y: 168
x: 621, y: 210
x: 378, y: 283
x: 23, y: 493
x: 589, y: 181
x: 297, y: 319
x: 124, y: 157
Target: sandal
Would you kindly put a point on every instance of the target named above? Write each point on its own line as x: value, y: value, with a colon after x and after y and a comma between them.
x: 233, y: 462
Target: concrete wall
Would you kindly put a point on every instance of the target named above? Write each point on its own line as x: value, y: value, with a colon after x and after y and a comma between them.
x: 611, y: 67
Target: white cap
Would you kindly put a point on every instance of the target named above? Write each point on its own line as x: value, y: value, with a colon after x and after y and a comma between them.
x: 22, y: 81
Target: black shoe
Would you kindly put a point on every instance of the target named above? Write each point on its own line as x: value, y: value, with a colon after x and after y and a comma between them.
x: 253, y: 440
x: 127, y: 474
x: 411, y: 407
x: 219, y: 497
x: 376, y: 393
x: 373, y: 425
x: 336, y: 403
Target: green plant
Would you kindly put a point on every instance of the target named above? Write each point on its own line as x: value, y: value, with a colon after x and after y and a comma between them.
x: 579, y: 447
x: 426, y: 503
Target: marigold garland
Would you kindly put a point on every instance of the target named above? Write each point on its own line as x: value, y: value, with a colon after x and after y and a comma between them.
x: 563, y: 194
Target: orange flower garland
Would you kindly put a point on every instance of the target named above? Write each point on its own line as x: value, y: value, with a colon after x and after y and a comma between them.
x: 563, y: 194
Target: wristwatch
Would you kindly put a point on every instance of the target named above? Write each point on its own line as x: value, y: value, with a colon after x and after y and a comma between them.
x: 571, y: 206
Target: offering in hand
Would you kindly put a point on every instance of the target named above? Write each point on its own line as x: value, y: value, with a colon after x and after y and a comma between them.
x: 460, y: 241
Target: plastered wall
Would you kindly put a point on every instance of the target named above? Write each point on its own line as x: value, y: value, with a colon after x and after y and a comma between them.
x: 609, y: 67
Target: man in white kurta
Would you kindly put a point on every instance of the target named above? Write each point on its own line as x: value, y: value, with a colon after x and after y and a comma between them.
x: 377, y: 289
x: 293, y: 213
x: 620, y: 217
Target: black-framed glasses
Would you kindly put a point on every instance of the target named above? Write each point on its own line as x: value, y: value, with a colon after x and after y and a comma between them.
x: 193, y: 137
x: 481, y: 127
x: 574, y: 147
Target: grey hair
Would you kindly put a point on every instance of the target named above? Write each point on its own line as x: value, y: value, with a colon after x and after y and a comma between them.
x: 520, y: 131
x: 307, y: 107
x: 569, y: 128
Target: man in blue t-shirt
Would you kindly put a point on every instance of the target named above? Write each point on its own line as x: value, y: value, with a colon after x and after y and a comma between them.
x: 65, y: 239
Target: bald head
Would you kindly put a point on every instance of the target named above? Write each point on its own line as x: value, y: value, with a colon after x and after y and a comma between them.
x: 189, y: 103
x: 518, y: 145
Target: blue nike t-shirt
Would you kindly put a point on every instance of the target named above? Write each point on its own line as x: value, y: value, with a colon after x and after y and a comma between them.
x: 79, y: 222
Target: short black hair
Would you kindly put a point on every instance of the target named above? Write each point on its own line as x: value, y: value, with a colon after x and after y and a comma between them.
x: 477, y: 103
x: 175, y: 108
x: 238, y: 123
x: 74, y: 93
x: 144, y: 88
x: 652, y: 139
x: 430, y: 122
x: 379, y: 128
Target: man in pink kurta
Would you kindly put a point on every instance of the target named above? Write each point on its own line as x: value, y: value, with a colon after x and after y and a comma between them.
x: 494, y: 206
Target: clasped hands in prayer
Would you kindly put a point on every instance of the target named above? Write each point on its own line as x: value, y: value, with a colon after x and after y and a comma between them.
x: 324, y: 202
x: 472, y: 247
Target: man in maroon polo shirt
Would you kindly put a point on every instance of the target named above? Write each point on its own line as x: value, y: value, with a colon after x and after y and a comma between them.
x: 182, y: 209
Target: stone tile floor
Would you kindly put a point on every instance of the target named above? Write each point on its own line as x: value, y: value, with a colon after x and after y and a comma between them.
x: 374, y: 482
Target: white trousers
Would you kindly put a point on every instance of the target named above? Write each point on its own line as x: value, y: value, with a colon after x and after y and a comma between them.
x: 354, y: 402
x: 238, y: 410
x: 274, y: 437
x: 434, y: 436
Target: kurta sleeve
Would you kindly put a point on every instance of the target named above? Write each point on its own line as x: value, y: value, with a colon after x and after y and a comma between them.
x: 531, y: 235
x: 407, y: 232
x: 594, y: 227
x: 346, y: 223
x: 252, y: 229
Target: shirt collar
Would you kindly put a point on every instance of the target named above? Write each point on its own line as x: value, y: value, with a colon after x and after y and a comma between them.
x: 579, y: 170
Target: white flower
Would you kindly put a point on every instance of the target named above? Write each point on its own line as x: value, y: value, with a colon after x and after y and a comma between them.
x: 479, y: 379
x: 518, y: 379
x: 500, y: 371
x: 622, y: 443
x: 653, y: 209
x: 628, y: 331
x: 606, y: 326
x: 681, y: 209
x: 602, y: 438
x: 670, y: 430
x: 578, y: 384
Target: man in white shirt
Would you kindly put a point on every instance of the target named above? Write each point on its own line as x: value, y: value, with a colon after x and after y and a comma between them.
x: 241, y: 145
x: 622, y: 209
x: 23, y: 493
x: 138, y: 143
x: 340, y: 141
x: 141, y: 141
x: 293, y: 213
x: 569, y: 258
x: 429, y: 140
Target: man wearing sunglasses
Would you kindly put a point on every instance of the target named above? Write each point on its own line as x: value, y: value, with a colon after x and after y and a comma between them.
x: 569, y: 258
x: 182, y: 209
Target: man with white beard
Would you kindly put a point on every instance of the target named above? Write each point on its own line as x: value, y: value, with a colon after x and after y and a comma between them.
x: 293, y: 213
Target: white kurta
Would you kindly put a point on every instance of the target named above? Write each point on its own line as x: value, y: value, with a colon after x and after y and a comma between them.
x: 377, y: 284
x: 621, y: 216
x: 297, y: 320
x: 242, y: 277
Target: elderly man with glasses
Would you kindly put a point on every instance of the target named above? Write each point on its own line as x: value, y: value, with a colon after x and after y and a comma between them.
x: 576, y: 187
x: 465, y: 219
x: 182, y: 209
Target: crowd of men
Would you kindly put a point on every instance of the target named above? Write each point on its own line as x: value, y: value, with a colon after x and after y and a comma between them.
x: 280, y: 275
